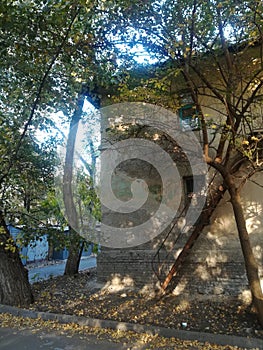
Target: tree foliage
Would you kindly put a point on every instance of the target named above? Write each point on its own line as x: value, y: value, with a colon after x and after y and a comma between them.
x: 50, y: 51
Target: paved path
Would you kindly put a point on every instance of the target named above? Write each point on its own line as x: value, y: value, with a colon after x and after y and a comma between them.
x: 46, y: 271
x: 11, y: 339
x: 220, y: 339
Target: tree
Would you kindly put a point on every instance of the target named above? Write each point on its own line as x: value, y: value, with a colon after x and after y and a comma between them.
x: 27, y: 56
x: 215, y: 54
x: 30, y: 51
x: 86, y: 195
x: 21, y: 194
x: 47, y: 51
x: 76, y: 248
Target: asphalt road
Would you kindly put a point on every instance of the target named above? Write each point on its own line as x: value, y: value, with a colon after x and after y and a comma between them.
x: 11, y: 339
x: 44, y: 272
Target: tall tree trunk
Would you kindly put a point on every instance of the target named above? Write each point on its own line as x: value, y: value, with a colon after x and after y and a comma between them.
x: 15, y: 289
x: 75, y: 251
x: 73, y: 260
x: 250, y: 261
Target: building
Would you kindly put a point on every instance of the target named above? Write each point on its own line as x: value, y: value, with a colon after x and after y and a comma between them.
x: 214, y: 263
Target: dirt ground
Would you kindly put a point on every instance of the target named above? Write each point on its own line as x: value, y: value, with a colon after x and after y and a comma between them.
x: 80, y: 296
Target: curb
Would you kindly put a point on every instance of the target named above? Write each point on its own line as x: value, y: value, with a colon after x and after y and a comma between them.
x: 219, y: 339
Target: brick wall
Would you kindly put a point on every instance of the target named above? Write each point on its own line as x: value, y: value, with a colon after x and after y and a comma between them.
x: 215, y: 265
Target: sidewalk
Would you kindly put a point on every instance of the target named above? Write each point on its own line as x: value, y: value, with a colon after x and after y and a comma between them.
x: 56, y: 268
x: 11, y: 339
x: 219, y: 339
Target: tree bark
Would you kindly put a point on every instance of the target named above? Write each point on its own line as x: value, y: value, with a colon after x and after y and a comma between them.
x: 208, y: 210
x: 75, y: 251
x: 15, y: 289
x: 250, y: 261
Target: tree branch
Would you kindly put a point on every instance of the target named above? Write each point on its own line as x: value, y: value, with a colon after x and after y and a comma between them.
x: 13, y: 157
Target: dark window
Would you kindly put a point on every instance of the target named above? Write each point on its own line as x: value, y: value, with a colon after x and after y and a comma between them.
x: 189, y: 117
x: 200, y: 186
x: 188, y: 187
